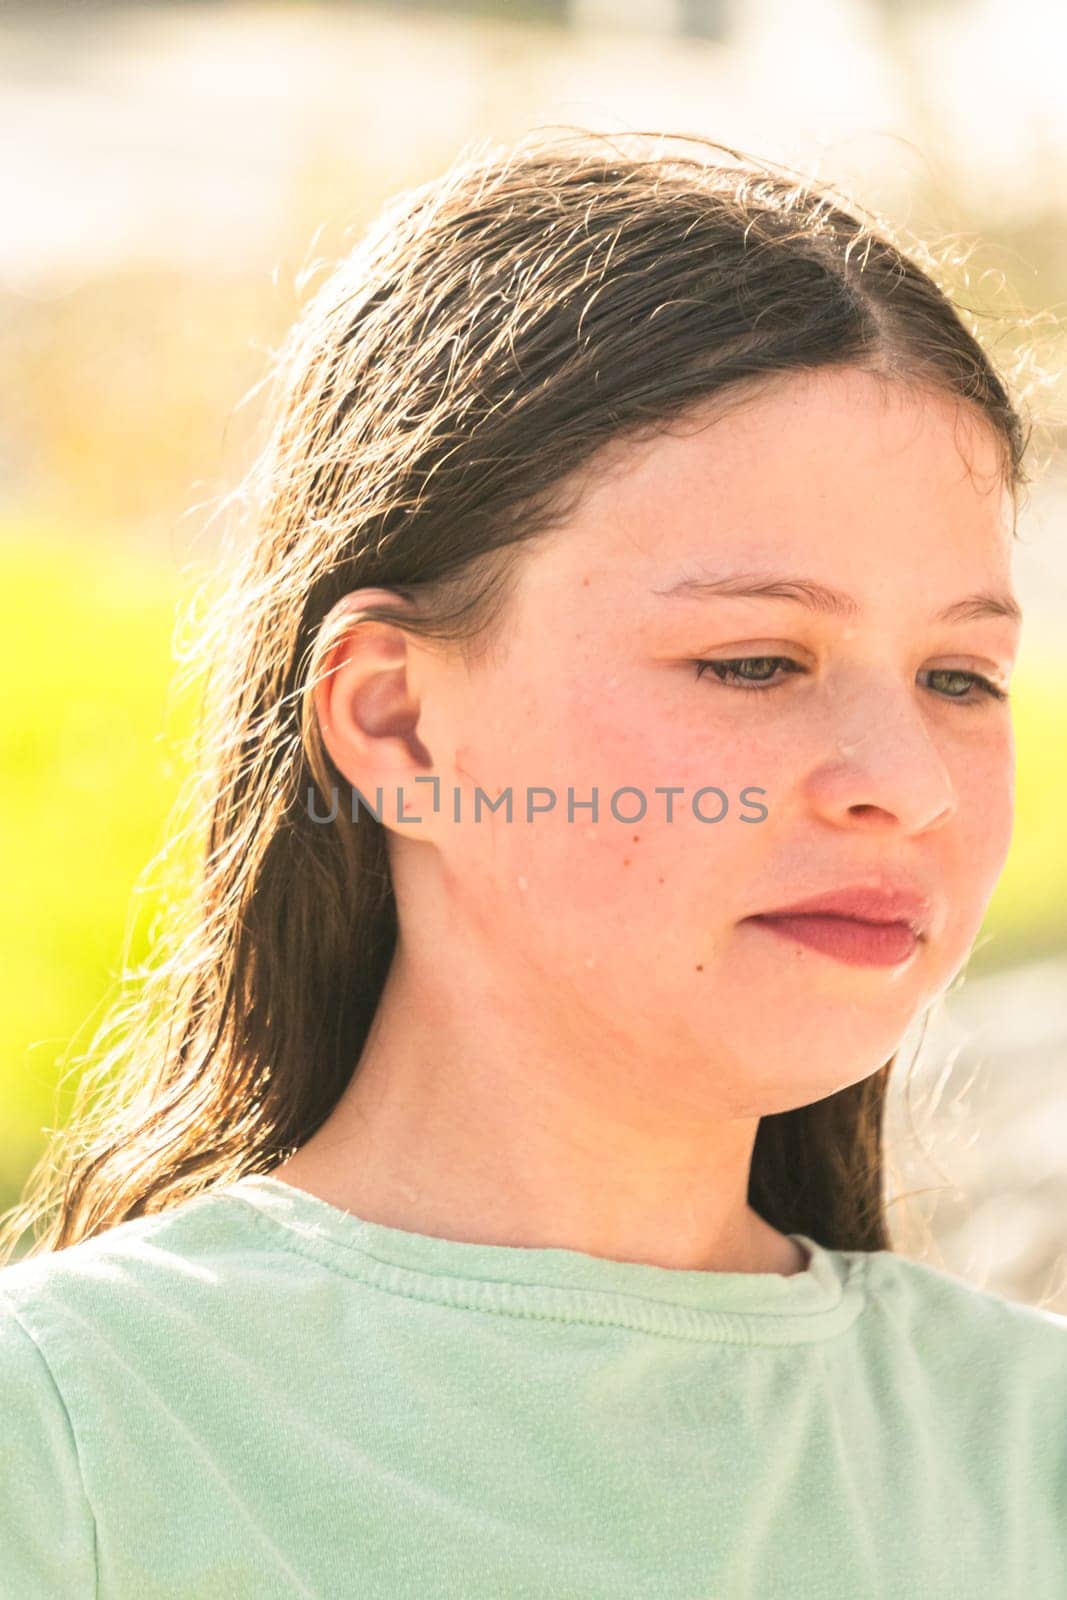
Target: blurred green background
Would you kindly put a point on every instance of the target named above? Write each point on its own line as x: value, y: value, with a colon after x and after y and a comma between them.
x: 183, y: 171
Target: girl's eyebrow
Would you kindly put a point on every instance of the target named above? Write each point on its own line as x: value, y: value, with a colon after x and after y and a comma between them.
x: 819, y: 597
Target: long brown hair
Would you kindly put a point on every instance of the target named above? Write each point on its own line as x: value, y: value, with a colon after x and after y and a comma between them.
x: 440, y: 400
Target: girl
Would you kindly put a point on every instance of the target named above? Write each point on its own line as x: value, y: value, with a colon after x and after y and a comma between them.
x: 608, y: 760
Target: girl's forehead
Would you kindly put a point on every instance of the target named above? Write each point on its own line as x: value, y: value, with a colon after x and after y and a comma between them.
x: 901, y: 537
x: 834, y: 441
x: 915, y: 500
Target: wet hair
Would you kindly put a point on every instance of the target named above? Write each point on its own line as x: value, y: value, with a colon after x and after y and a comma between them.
x: 444, y: 398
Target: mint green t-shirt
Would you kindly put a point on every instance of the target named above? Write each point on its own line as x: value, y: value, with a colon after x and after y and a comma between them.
x: 258, y: 1396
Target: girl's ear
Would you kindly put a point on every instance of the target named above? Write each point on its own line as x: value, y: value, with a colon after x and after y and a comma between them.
x: 367, y: 705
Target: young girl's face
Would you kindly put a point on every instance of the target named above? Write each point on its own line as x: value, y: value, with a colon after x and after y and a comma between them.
x: 870, y: 757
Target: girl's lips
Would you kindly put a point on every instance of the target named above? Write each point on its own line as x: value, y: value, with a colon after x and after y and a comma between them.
x: 893, y: 899
x: 846, y: 939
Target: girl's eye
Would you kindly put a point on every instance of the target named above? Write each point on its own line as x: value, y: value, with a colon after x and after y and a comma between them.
x: 732, y: 675
x: 974, y: 680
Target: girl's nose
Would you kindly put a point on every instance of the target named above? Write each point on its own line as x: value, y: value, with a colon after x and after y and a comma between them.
x: 883, y: 765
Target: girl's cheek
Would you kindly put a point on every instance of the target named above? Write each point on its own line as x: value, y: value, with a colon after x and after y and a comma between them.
x: 993, y: 829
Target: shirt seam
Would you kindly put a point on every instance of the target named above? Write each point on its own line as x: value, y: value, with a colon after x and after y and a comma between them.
x: 309, y: 1247
x: 20, y: 1322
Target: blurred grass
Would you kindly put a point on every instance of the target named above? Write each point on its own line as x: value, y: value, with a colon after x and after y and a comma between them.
x: 91, y: 762
x: 1027, y: 915
x: 89, y: 778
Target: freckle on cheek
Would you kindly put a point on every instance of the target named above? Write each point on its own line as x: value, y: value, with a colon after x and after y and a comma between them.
x: 626, y: 861
x: 700, y: 969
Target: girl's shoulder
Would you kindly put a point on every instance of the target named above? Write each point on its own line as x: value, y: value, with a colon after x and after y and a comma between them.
x: 908, y: 1290
x: 191, y: 1244
x: 65, y: 1315
x: 953, y: 1340
x: 83, y: 1329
